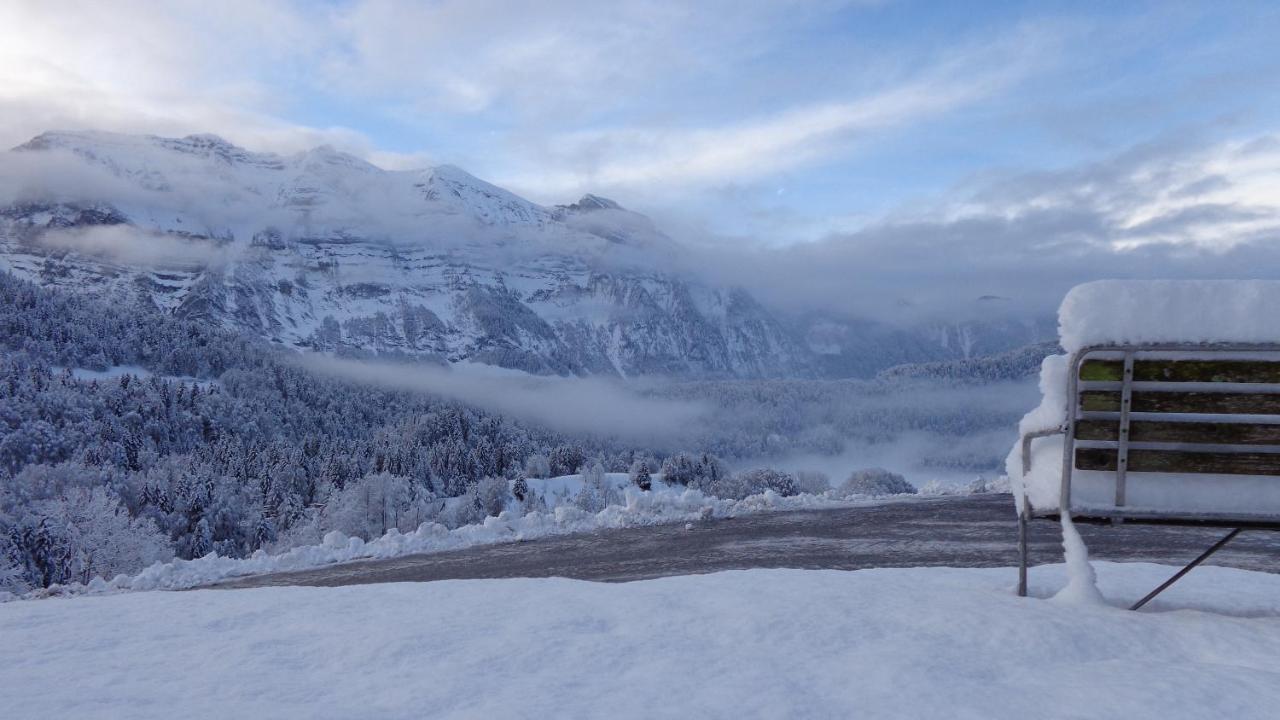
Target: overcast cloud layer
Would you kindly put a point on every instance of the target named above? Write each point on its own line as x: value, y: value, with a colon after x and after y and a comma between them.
x: 1170, y: 209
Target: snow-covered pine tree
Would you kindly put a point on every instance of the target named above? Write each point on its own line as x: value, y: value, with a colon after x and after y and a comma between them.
x: 640, y: 475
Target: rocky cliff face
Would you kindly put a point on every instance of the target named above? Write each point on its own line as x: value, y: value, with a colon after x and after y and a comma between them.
x: 323, y: 251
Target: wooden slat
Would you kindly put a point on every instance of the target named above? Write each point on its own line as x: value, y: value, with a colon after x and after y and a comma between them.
x: 1177, y: 461
x: 1216, y: 371
x: 1178, y: 432
x: 1184, y: 402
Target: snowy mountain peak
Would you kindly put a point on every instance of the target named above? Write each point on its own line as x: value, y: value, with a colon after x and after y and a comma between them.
x: 96, y: 143
x: 211, y: 144
x: 591, y: 202
x: 328, y: 155
x: 69, y: 139
x: 491, y: 205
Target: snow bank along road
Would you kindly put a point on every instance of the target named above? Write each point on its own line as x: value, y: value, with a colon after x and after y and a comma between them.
x: 973, y: 531
x: 885, y: 643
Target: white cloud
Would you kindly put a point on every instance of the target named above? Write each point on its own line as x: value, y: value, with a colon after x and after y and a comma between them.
x: 1212, y: 196
x: 549, y: 80
x: 173, y: 69
x: 634, y: 158
x: 576, y: 405
x: 555, y: 59
x: 133, y: 246
x: 1163, y: 210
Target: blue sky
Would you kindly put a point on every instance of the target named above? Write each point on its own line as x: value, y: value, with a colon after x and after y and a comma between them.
x: 735, y: 122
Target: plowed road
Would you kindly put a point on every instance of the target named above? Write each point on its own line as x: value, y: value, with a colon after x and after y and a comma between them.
x: 977, y: 531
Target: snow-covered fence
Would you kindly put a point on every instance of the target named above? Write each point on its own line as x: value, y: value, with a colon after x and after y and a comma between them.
x: 1165, y: 409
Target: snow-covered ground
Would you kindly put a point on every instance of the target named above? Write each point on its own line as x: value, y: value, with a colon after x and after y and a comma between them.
x: 888, y: 643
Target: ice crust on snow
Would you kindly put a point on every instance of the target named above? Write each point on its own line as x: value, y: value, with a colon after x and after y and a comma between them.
x: 1170, y: 311
x: 884, y: 643
x: 1164, y: 311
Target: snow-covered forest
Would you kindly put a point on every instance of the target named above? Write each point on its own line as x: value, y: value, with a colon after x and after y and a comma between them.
x: 224, y: 447
x: 129, y: 436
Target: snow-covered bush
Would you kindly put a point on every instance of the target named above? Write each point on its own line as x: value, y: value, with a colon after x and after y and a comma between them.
x: 31, y: 443
x: 751, y: 482
x: 372, y: 505
x: 533, y: 502
x: 566, y: 459
x: 592, y: 473
x: 464, y: 509
x: 711, y: 473
x: 491, y: 492
x: 101, y: 538
x: 640, y: 474
x: 12, y: 579
x: 537, y: 466
x: 61, y: 526
x: 783, y: 483
x: 680, y: 469
x: 875, y: 482
x: 982, y: 485
x: 812, y: 482
x: 597, y: 492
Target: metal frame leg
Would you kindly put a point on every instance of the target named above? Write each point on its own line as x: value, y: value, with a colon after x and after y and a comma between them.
x: 1191, y: 565
x: 1022, y: 551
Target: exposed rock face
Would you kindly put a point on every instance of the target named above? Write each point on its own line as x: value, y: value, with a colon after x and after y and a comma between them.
x: 322, y: 250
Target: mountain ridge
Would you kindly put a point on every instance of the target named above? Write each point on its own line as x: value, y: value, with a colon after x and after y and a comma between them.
x: 321, y: 250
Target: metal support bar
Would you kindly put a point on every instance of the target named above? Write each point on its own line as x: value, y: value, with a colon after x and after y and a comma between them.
x: 1026, y: 445
x: 1122, y: 440
x: 1069, y: 429
x: 1022, y: 550
x: 1024, y: 517
x: 1191, y: 565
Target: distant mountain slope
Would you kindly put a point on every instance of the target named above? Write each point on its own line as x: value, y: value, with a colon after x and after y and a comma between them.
x: 321, y: 250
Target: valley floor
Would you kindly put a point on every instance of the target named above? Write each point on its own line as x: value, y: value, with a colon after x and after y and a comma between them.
x: 880, y: 643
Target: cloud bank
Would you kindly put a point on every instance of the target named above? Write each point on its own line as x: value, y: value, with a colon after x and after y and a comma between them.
x: 573, y: 405
x: 129, y: 245
x: 1169, y: 209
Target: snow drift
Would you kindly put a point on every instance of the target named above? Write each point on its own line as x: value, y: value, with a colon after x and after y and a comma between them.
x: 1170, y: 311
x: 887, y: 643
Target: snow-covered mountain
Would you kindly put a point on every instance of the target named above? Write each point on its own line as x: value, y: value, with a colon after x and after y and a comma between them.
x: 321, y: 250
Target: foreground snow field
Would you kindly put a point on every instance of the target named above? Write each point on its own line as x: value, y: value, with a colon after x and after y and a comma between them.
x: 892, y: 643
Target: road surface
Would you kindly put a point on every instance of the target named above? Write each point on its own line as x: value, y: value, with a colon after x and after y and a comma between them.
x: 975, y: 531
